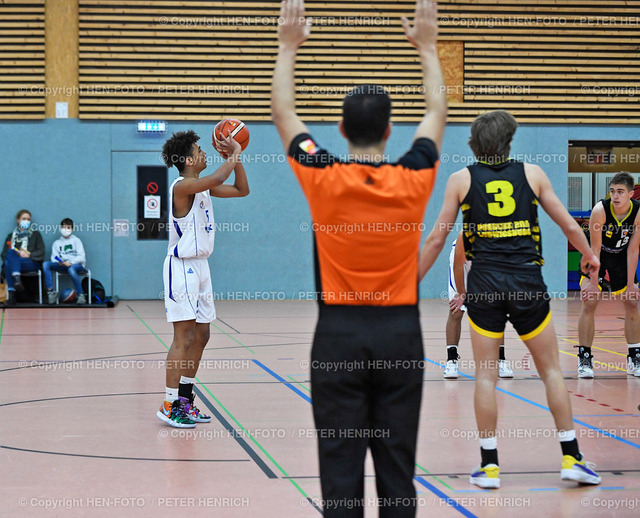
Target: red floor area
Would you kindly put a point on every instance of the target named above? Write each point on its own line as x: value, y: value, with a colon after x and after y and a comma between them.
x: 79, y: 436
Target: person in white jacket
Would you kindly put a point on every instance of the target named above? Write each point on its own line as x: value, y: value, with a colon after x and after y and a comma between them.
x: 67, y: 256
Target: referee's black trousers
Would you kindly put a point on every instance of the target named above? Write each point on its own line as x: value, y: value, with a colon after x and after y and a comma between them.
x: 366, y: 384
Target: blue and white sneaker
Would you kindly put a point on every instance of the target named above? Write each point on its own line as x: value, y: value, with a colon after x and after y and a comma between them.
x: 487, y: 477
x: 580, y: 471
x: 504, y: 370
x: 585, y: 366
x: 451, y: 370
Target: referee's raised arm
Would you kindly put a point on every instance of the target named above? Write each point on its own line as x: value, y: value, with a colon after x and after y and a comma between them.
x: 423, y: 34
x: 293, y: 30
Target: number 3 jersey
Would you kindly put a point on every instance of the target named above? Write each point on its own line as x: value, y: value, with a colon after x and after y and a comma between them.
x: 192, y: 235
x: 500, y: 217
x: 616, y: 233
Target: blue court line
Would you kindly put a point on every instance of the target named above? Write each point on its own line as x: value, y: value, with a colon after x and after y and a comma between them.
x: 599, y: 430
x: 544, y: 489
x: 606, y: 415
x: 447, y: 499
x: 282, y: 380
x: 422, y: 481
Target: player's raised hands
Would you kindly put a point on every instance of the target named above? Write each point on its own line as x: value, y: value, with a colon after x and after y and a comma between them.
x: 228, y: 147
x: 424, y: 31
x: 293, y: 26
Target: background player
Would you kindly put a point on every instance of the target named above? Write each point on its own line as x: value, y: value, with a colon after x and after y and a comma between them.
x: 368, y: 278
x: 615, y: 239
x: 188, y: 295
x: 458, y: 270
x: 500, y: 199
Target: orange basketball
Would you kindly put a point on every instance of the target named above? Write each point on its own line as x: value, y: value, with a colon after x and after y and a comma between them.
x: 235, y: 128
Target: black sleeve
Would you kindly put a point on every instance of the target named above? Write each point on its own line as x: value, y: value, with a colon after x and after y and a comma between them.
x: 36, y: 246
x: 306, y: 152
x: 422, y: 155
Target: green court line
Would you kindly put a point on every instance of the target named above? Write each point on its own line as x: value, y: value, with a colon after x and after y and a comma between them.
x: 145, y: 325
x: 305, y: 388
x: 252, y: 439
x: 232, y: 338
x: 298, y: 383
x: 436, y: 478
x: 206, y: 389
x: 240, y: 343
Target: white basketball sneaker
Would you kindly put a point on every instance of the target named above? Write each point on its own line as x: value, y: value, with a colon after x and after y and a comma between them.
x: 504, y: 371
x: 451, y: 370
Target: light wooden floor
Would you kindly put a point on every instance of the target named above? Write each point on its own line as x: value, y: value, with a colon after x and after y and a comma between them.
x: 79, y: 437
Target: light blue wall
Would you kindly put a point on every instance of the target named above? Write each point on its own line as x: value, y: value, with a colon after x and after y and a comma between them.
x: 62, y: 168
x: 58, y: 169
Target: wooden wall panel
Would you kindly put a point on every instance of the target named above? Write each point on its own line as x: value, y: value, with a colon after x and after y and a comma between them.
x: 547, y: 61
x: 61, y: 47
x: 22, y: 59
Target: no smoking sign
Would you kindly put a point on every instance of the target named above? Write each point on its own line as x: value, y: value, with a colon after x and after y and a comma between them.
x: 152, y: 207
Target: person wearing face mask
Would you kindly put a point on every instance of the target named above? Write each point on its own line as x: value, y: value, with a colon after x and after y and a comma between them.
x: 23, y: 252
x: 67, y: 256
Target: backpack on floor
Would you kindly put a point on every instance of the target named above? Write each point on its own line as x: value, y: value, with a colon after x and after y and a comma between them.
x: 98, y: 293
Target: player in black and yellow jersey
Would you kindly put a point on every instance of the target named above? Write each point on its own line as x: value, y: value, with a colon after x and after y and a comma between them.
x: 615, y: 237
x: 367, y: 356
x: 499, y: 200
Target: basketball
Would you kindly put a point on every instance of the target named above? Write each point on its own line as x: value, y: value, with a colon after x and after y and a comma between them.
x: 68, y: 296
x: 235, y: 128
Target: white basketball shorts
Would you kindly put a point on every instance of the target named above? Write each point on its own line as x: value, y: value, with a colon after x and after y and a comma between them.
x: 452, y: 282
x: 187, y: 290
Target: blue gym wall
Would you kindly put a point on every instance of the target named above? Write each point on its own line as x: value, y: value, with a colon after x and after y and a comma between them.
x: 62, y: 168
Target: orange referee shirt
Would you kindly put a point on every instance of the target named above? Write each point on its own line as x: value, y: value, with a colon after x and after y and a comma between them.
x: 367, y: 221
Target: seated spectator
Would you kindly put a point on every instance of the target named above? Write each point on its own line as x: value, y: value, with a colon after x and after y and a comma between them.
x: 23, y: 252
x: 67, y: 256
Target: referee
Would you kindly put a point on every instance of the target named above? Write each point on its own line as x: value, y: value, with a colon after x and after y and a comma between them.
x: 367, y: 355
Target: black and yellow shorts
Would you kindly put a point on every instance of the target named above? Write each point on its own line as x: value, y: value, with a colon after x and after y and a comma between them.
x: 617, y: 270
x: 518, y: 295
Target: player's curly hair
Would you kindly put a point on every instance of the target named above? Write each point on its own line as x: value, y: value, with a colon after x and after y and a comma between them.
x: 178, y: 148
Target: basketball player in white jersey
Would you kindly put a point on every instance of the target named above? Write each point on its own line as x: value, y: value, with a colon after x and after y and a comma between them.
x: 458, y: 270
x: 188, y: 295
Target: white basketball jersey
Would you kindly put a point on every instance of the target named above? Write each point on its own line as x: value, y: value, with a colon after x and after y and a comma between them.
x: 194, y: 234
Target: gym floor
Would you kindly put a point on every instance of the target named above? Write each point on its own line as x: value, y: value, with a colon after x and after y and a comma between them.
x: 79, y: 436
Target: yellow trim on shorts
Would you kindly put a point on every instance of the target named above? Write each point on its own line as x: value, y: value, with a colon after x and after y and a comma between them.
x: 484, y: 332
x: 618, y: 292
x: 538, y: 329
x: 582, y: 278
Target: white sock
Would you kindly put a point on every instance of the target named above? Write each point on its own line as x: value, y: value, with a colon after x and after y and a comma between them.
x: 632, y: 346
x: 452, y: 346
x: 171, y: 394
x: 489, y: 444
x: 184, y: 379
x: 566, y: 435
